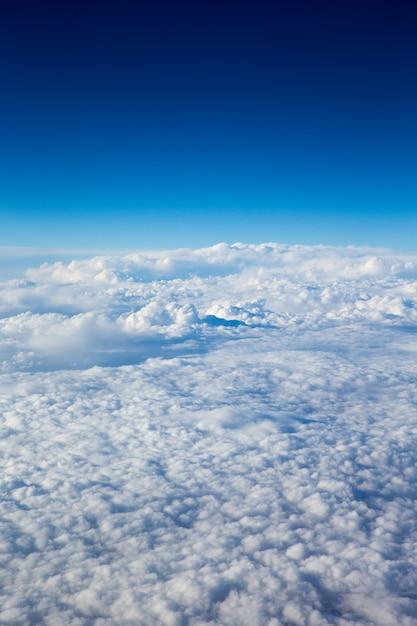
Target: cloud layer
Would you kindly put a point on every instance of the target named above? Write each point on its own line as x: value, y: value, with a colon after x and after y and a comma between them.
x: 220, y: 436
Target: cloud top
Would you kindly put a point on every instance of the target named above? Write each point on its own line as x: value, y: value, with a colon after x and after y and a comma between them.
x: 222, y: 436
x: 86, y: 312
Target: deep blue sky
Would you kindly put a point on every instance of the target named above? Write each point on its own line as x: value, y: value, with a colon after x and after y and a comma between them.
x: 166, y: 124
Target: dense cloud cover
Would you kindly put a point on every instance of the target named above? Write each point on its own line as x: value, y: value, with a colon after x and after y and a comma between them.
x: 218, y: 436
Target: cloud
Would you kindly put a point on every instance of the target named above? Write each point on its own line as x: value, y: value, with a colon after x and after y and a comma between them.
x: 246, y: 456
x: 111, y: 307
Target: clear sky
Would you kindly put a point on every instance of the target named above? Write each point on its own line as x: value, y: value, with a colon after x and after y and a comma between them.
x: 165, y: 124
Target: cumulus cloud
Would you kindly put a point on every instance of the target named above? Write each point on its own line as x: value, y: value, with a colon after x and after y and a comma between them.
x: 221, y: 436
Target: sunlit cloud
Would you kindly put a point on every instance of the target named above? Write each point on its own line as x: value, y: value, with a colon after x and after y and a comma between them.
x: 215, y: 436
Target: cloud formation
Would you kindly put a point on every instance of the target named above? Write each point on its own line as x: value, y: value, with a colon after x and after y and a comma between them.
x: 221, y: 436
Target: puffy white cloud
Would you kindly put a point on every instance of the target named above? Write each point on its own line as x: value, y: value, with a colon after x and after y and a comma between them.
x: 247, y: 456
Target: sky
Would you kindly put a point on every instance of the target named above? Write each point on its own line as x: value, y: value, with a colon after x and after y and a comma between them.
x: 153, y: 125
x: 222, y: 436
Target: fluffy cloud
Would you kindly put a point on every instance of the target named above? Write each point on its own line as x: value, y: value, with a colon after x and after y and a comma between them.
x: 221, y: 436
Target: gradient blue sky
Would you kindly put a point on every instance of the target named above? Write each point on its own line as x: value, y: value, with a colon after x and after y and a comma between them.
x: 164, y: 124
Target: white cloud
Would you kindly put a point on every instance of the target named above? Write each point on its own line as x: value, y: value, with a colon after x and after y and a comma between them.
x: 247, y: 455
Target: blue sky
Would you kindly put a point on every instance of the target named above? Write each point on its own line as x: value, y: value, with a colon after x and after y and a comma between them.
x: 157, y: 124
